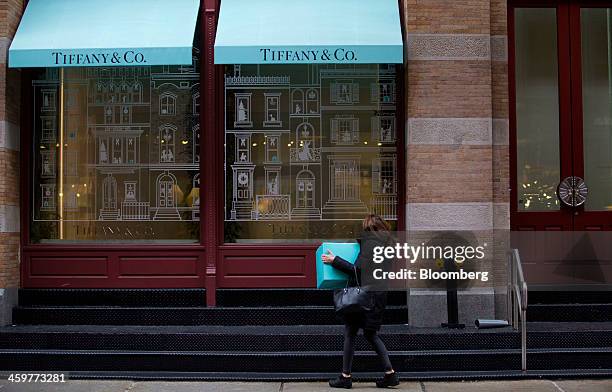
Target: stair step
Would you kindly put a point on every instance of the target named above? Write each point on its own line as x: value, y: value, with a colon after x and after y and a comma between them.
x: 251, y: 338
x: 112, y: 297
x: 569, y: 297
x: 288, y: 297
x: 570, y: 312
x: 307, y: 315
x: 329, y: 361
x: 270, y: 375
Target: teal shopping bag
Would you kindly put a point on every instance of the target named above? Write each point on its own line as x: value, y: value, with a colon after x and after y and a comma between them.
x: 327, y: 276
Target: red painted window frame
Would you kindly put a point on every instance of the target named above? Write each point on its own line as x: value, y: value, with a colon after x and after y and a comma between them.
x: 570, y: 118
x: 213, y: 258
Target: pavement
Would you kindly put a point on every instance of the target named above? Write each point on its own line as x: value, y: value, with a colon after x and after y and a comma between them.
x: 598, y: 385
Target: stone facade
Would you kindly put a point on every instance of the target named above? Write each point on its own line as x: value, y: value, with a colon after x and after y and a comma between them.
x: 10, y: 14
x: 457, y: 174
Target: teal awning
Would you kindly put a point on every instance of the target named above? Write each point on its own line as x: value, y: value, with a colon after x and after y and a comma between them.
x: 72, y: 33
x: 308, y: 31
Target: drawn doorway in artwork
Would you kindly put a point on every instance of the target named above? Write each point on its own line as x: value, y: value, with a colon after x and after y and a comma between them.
x: 305, y: 196
x: 305, y: 187
x: 344, y: 182
x: 109, y: 209
x: 166, y: 198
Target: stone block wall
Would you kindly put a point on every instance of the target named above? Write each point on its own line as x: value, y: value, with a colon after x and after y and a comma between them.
x: 10, y: 102
x: 457, y: 174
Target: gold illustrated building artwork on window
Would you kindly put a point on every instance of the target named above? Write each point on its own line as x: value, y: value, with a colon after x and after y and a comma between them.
x: 130, y: 154
x: 308, y: 143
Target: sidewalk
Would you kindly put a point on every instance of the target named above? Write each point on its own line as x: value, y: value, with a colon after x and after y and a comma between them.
x: 408, y: 386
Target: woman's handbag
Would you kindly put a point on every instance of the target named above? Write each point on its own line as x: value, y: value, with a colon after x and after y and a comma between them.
x: 350, y: 300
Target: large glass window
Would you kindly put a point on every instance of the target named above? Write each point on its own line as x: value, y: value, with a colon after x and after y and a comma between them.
x: 596, y: 44
x: 537, y: 108
x: 309, y: 150
x: 121, y: 161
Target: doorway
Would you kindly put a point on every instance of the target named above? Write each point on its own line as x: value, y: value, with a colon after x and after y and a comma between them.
x: 560, y: 78
x: 560, y: 64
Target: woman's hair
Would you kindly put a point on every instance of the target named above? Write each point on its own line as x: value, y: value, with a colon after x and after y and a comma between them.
x: 373, y: 222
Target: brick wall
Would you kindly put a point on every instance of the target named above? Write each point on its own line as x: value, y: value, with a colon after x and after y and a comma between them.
x: 457, y: 143
x: 10, y: 14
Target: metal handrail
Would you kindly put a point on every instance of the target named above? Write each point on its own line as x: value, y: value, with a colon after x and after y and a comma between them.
x: 517, y: 300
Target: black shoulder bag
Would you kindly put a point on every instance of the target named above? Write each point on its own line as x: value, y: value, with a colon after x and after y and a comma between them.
x: 350, y: 300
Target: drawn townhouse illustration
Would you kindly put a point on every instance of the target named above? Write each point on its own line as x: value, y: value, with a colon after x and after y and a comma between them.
x: 293, y: 152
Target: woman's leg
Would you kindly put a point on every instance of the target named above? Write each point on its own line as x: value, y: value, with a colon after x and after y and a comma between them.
x: 379, y: 347
x: 350, y: 333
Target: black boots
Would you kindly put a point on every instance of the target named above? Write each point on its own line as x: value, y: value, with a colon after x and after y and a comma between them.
x: 341, y: 382
x: 389, y: 380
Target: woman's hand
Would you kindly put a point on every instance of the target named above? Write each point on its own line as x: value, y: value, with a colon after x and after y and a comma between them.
x: 328, y: 257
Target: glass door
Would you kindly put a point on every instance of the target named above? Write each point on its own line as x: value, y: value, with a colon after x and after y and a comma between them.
x: 593, y: 114
x: 540, y: 121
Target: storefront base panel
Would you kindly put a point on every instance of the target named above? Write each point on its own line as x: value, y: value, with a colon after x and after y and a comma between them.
x: 114, y: 268
x: 244, y: 266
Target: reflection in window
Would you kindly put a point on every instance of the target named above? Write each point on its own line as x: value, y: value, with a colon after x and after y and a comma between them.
x: 329, y: 159
x: 130, y: 162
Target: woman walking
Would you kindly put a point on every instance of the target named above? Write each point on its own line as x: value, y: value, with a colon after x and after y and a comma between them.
x: 375, y: 233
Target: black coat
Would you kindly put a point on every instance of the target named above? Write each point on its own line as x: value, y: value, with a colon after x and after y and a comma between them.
x: 372, y: 319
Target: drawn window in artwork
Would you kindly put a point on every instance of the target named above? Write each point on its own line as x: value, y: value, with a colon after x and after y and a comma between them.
x: 345, y: 130
x: 167, y: 134
x: 47, y: 169
x: 47, y: 200
x: 48, y: 100
x: 297, y: 101
x: 384, y: 175
x: 196, y: 103
x: 312, y: 101
x: 131, y: 150
x: 344, y: 92
x: 383, y: 129
x: 137, y: 92
x: 243, y: 110
x: 48, y: 129
x: 109, y: 114
x: 273, y: 181
x: 305, y: 150
x: 305, y: 185
x: 124, y: 94
x: 272, y: 143
x: 117, y: 150
x: 272, y: 110
x: 383, y: 92
x: 167, y: 104
x: 243, y: 148
x: 126, y: 115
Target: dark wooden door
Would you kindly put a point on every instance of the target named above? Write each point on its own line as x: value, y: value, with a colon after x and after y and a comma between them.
x: 560, y: 75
